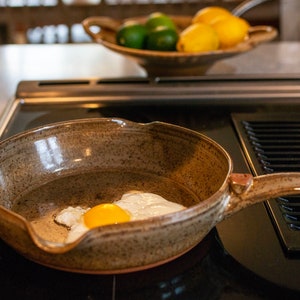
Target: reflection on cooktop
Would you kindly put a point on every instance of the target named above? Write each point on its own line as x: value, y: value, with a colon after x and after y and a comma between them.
x: 183, y: 115
x: 206, y: 272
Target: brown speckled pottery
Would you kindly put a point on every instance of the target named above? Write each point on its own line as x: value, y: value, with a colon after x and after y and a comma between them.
x: 89, y: 161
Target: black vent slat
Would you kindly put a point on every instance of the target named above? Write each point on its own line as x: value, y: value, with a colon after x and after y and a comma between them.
x: 272, y: 144
x: 292, y: 219
x: 280, y: 168
x: 289, y: 199
x: 274, y: 141
x: 270, y: 124
x: 281, y: 160
x: 274, y: 156
x: 291, y: 132
x: 294, y: 227
x: 277, y: 138
x: 284, y: 168
x: 263, y: 131
x: 291, y: 209
x: 283, y: 147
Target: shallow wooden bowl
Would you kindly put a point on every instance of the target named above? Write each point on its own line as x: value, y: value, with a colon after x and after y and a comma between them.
x: 160, y: 63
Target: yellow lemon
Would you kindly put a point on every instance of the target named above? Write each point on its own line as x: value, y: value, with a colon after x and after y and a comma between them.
x: 198, y: 37
x: 210, y: 14
x: 231, y: 31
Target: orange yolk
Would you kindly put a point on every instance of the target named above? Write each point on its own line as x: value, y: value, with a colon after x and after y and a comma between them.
x: 105, y: 214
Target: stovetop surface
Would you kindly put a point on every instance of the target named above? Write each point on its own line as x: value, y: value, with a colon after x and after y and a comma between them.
x: 241, y: 258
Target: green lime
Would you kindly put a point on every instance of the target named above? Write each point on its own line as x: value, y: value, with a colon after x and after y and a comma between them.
x: 162, y: 39
x: 159, y: 19
x: 131, y: 34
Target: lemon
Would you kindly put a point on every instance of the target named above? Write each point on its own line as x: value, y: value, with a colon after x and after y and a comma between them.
x: 157, y: 19
x: 131, y: 34
x: 231, y: 31
x: 210, y: 14
x: 198, y: 37
x: 162, y: 39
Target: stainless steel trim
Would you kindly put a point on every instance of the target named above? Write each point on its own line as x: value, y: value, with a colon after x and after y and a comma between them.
x: 194, y: 90
x: 7, y: 114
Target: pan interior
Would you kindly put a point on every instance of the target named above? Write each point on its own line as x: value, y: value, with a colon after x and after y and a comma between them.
x: 85, y: 163
x: 89, y: 189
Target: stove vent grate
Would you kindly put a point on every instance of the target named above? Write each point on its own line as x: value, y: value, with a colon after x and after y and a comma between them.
x: 272, y: 144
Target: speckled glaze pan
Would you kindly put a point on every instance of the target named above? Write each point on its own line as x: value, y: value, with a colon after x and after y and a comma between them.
x: 89, y: 161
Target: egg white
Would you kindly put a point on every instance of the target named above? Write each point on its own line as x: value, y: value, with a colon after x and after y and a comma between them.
x: 72, y: 217
x: 146, y: 205
x: 139, y: 205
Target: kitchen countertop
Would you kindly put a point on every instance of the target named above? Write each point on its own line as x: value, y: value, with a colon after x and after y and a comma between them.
x: 70, y: 61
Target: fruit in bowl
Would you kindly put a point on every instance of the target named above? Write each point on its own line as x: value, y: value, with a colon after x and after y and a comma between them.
x: 198, y: 37
x: 131, y: 34
x: 159, y: 33
x: 212, y: 28
x: 195, y: 52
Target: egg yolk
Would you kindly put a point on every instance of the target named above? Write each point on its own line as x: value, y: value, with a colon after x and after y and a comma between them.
x: 105, y: 214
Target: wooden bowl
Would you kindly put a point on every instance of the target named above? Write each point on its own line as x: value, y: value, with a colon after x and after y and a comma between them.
x: 162, y: 63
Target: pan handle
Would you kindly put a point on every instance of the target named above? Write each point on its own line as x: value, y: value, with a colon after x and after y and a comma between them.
x: 248, y: 190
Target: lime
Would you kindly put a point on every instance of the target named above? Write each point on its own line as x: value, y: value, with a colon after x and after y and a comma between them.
x: 157, y: 19
x: 162, y: 39
x: 131, y: 34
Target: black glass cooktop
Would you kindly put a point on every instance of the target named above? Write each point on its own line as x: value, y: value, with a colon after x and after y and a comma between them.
x: 241, y: 258
x: 206, y: 272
